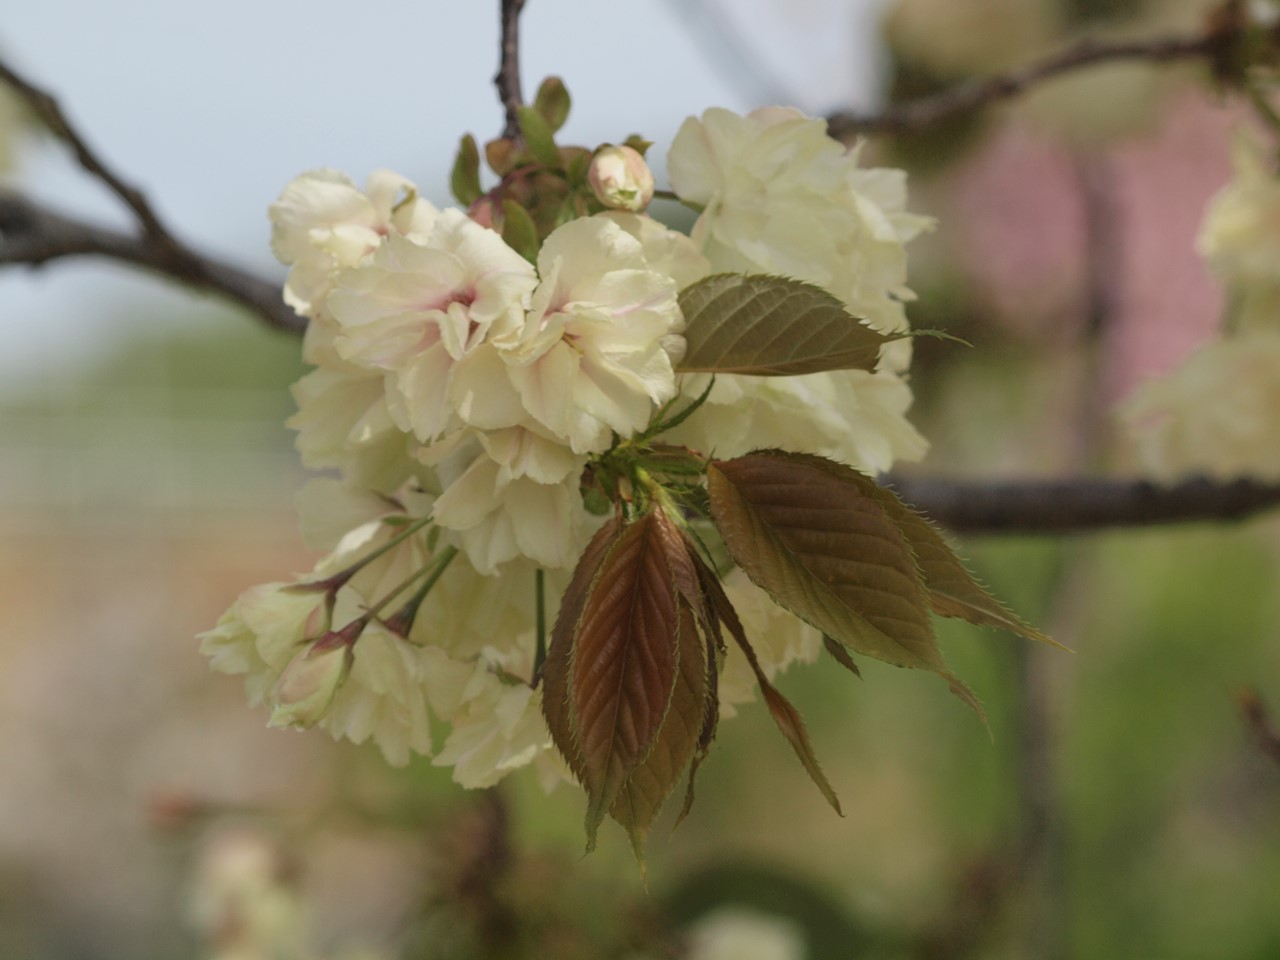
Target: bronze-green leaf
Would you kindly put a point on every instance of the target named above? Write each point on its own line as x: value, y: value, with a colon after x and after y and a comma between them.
x: 464, y: 181
x: 555, y: 671
x: 825, y: 551
x: 623, y: 669
x: 841, y: 656
x: 552, y: 101
x: 952, y: 589
x: 772, y: 326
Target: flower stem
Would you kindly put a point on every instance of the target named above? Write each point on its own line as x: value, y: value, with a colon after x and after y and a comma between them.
x: 540, y: 620
x: 401, y: 622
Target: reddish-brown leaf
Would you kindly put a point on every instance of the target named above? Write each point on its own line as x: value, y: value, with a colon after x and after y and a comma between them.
x: 623, y: 667
x: 555, y: 671
x: 647, y: 789
x: 784, y: 714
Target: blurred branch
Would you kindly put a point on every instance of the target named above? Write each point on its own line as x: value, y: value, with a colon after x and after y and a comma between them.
x: 1214, y: 45
x: 507, y: 79
x: 1256, y: 719
x: 46, y: 108
x: 1079, y: 504
x: 32, y: 234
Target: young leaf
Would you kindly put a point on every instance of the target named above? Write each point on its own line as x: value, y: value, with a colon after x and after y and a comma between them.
x: 784, y: 714
x: 825, y: 551
x: 841, y: 656
x: 824, y: 548
x: 953, y: 592
x: 710, y: 720
x: 555, y: 671
x: 519, y: 231
x: 649, y: 785
x: 623, y: 669
x: 771, y: 326
x: 538, y: 137
x: 552, y: 101
x: 464, y: 181
x: 502, y: 155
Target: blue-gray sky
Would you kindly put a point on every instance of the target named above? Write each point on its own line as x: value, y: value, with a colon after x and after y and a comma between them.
x: 212, y: 108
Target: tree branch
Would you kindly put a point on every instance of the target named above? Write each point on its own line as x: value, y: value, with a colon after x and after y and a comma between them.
x: 1212, y: 45
x: 33, y: 235
x: 47, y: 109
x: 507, y: 79
x: 1079, y: 505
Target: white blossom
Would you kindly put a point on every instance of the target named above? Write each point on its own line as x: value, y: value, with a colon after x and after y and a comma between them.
x: 384, y: 698
x: 323, y: 222
x: 260, y: 632
x: 1218, y: 414
x: 852, y: 416
x: 596, y: 351
x: 241, y: 900
x: 1240, y: 236
x: 417, y: 308
x: 734, y: 933
x: 781, y: 197
x: 513, y: 493
x: 343, y: 421
x: 495, y: 715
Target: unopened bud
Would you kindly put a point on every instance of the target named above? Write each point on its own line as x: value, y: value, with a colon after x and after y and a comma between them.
x: 308, y: 683
x: 482, y: 212
x: 621, y: 179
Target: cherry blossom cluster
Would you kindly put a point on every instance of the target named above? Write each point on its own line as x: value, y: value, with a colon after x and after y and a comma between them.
x: 464, y: 391
x: 1216, y: 414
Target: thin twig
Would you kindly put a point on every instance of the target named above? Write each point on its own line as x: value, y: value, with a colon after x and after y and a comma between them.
x: 47, y: 109
x: 507, y: 79
x: 32, y: 235
x: 916, y: 115
x: 1080, y: 504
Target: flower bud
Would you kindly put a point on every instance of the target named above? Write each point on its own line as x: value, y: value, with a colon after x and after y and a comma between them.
x: 309, y: 681
x: 621, y: 179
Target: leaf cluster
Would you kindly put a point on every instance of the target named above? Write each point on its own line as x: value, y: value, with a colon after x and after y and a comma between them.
x: 630, y: 678
x: 631, y: 671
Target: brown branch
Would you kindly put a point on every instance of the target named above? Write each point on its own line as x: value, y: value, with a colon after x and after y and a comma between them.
x: 47, y: 109
x: 32, y: 235
x: 507, y: 79
x: 1212, y: 45
x: 1079, y: 505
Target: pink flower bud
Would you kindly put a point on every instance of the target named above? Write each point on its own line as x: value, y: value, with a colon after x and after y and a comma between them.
x: 308, y: 683
x: 621, y: 179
